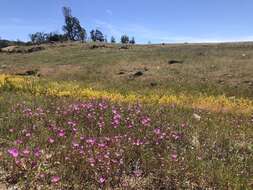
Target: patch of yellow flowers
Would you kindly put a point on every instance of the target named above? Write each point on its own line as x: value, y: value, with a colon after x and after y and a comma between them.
x: 71, y: 89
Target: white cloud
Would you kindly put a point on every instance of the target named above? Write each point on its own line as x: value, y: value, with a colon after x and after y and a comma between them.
x: 108, y: 11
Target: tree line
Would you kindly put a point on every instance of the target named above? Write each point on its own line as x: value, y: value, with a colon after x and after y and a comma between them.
x: 73, y: 31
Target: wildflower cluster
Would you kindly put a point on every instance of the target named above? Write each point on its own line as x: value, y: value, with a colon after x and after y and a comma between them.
x: 92, y: 142
x: 100, y: 144
x: 68, y: 89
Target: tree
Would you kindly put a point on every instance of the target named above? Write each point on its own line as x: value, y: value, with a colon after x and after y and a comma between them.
x: 72, y: 28
x: 132, y: 41
x: 124, y: 39
x: 113, y: 40
x: 97, y: 35
x: 38, y: 38
x: 55, y: 37
x: 3, y: 43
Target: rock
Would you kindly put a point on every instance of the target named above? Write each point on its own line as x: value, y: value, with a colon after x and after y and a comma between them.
x: 29, y: 73
x: 174, y: 62
x: 138, y: 73
x: 121, y: 73
x: 247, y: 81
x: 196, y: 116
x: 153, y: 84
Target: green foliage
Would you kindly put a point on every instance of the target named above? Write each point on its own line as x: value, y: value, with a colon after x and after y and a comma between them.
x: 38, y: 38
x: 113, y: 40
x: 72, y: 28
x: 97, y: 35
x: 55, y: 37
x: 124, y: 39
x: 132, y: 41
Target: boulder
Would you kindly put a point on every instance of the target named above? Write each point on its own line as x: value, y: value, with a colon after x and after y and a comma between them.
x: 121, y: 73
x: 153, y: 84
x: 175, y: 62
x: 29, y: 73
x: 138, y: 73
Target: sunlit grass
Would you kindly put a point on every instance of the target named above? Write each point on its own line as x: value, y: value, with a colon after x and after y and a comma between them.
x: 219, y: 103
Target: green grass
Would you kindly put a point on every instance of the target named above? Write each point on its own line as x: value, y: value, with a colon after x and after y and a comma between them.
x: 214, y: 69
x: 213, y: 152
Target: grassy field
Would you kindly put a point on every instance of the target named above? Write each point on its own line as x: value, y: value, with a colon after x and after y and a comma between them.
x: 91, y: 121
x: 214, y: 69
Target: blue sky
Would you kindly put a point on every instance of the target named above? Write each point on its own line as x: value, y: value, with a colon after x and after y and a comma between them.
x: 147, y: 20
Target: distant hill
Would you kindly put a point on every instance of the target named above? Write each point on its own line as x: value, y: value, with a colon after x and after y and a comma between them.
x: 6, y: 43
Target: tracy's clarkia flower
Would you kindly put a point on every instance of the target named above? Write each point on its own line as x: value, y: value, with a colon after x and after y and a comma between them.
x: 72, y: 123
x: 61, y: 133
x: 91, y: 141
x: 55, y: 179
x: 18, y: 141
x: 51, y: 140
x: 174, y: 156
x: 157, y: 131
x: 37, y: 152
x: 101, y: 180
x: 13, y: 152
x: 26, y: 152
x: 75, y: 144
x: 11, y: 130
x: 145, y: 121
x: 137, y: 173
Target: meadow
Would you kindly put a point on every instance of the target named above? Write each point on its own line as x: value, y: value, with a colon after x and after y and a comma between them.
x: 87, y: 120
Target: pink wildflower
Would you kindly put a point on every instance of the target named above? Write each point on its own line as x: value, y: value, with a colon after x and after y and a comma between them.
x: 137, y: 173
x: 26, y: 152
x: 13, y: 152
x: 11, y: 130
x: 157, y: 131
x: 37, y: 152
x: 174, y: 156
x: 55, y: 179
x: 91, y: 141
x: 61, y: 133
x: 50, y: 140
x: 145, y: 121
x: 101, y: 180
